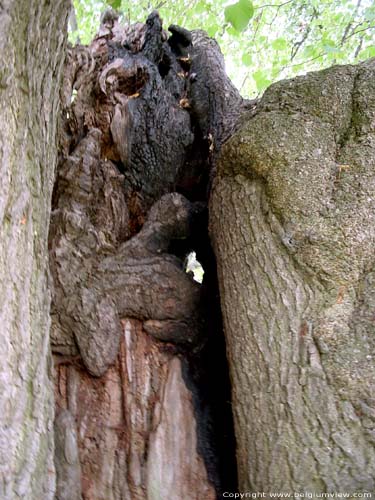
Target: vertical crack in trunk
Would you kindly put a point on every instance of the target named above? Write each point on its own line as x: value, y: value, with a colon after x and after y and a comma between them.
x: 140, y: 361
x: 208, y: 379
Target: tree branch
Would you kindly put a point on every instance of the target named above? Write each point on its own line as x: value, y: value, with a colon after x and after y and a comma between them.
x: 350, y: 23
x: 278, y: 6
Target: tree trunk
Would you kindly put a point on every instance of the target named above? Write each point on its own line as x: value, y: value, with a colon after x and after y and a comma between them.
x: 293, y: 223
x: 32, y: 45
x: 141, y: 386
x: 137, y: 355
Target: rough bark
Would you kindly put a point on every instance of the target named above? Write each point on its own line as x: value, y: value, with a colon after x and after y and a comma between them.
x: 293, y: 223
x: 135, y: 348
x: 130, y: 424
x: 129, y: 325
x: 96, y: 283
x: 32, y: 45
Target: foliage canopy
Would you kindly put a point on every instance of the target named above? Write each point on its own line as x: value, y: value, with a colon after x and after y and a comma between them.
x: 262, y: 41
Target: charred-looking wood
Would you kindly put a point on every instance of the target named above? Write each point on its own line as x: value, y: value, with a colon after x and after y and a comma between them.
x: 134, y: 97
x: 216, y: 103
x: 153, y: 45
x: 128, y: 118
x: 138, y: 138
x: 180, y: 40
x: 99, y: 280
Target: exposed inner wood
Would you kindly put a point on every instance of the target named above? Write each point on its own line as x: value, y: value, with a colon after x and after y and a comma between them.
x: 138, y: 344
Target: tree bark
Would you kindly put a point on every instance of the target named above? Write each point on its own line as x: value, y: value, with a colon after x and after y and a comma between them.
x: 292, y: 217
x: 135, y: 339
x: 136, y: 425
x: 32, y: 45
x: 136, y: 360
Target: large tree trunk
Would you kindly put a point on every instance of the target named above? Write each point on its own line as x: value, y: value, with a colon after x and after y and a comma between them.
x: 137, y: 342
x: 293, y: 224
x: 141, y: 387
x: 32, y: 47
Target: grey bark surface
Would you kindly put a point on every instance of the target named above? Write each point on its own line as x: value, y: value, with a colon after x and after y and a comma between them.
x: 32, y: 45
x: 292, y: 218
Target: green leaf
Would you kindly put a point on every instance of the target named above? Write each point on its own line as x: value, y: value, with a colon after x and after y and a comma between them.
x: 233, y: 32
x: 261, y: 80
x: 246, y: 59
x: 329, y: 49
x: 200, y: 7
x: 115, y: 4
x: 212, y: 30
x: 367, y: 53
x: 239, y: 14
x: 369, y: 14
x: 276, y: 69
x: 310, y: 51
x: 279, y: 44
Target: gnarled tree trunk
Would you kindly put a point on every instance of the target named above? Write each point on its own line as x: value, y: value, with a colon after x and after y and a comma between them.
x: 32, y: 46
x: 141, y: 388
x: 293, y: 224
x: 137, y: 353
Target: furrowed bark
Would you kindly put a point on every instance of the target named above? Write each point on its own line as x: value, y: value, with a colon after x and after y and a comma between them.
x: 292, y: 220
x: 135, y: 339
x: 32, y: 44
